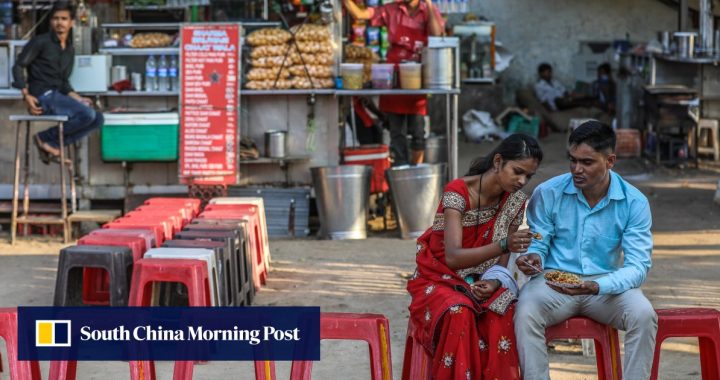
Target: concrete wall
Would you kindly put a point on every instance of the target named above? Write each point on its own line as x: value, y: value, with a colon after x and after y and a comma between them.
x: 550, y: 30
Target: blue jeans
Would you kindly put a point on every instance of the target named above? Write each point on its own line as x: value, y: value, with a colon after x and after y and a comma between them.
x: 81, y: 119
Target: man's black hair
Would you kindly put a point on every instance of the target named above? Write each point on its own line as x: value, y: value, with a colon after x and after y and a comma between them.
x: 605, y: 67
x: 63, y: 6
x: 597, y: 135
x: 544, y: 66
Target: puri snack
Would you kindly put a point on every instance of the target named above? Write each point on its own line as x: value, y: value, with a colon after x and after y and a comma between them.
x: 536, y: 236
x: 563, y: 278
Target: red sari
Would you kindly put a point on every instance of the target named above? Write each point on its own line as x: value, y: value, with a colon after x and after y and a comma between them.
x: 467, y: 338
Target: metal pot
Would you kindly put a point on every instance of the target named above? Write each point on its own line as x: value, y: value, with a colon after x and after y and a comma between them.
x: 275, y: 144
x: 437, y: 66
x: 685, y: 44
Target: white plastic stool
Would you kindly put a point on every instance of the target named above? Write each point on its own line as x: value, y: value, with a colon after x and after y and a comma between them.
x: 711, y: 126
x: 206, y: 255
x: 255, y: 201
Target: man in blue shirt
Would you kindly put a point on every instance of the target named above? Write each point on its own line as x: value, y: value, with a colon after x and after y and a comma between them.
x: 596, y: 225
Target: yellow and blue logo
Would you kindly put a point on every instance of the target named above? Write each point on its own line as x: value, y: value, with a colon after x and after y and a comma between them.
x: 52, y: 333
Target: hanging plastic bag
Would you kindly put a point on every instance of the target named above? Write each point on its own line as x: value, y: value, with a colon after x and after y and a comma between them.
x: 479, y: 125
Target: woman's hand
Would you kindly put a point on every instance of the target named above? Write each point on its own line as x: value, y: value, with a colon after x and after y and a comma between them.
x: 519, y: 241
x: 484, y: 289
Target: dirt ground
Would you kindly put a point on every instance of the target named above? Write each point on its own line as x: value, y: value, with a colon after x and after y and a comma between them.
x: 369, y: 276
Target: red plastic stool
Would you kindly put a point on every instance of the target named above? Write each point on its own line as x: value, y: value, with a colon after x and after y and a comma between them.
x: 192, y: 273
x: 256, y: 238
x: 176, y: 221
x: 162, y: 231
x: 607, y: 345
x: 417, y: 364
x: 96, y: 282
x: 372, y: 328
x: 254, y: 205
x: 19, y: 370
x: 146, y: 235
x: 184, y: 213
x: 191, y: 203
x: 692, y: 322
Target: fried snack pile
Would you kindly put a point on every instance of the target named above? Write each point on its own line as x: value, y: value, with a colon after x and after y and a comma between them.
x: 563, y: 278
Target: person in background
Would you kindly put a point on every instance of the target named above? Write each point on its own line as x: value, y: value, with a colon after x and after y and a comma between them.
x: 368, y: 121
x: 594, y: 224
x: 409, y: 23
x: 553, y: 95
x: 462, y: 292
x: 604, y: 89
x: 48, y: 59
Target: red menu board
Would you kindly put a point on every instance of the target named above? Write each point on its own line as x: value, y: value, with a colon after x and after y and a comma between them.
x: 209, y: 67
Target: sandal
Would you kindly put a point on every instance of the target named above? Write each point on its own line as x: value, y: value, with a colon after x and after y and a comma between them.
x: 45, y: 156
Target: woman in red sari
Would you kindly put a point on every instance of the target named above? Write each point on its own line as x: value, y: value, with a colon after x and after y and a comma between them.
x: 462, y: 294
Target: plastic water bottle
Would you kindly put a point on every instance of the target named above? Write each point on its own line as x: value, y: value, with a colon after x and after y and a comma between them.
x: 151, y: 74
x: 173, y: 73
x: 163, y: 83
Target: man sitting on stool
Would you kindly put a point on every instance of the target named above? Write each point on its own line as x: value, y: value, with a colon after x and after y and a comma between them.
x: 48, y: 59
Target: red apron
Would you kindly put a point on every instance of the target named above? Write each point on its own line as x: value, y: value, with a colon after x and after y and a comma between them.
x: 405, y: 45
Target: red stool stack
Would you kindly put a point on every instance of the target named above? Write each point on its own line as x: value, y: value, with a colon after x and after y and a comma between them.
x: 692, y: 322
x: 607, y: 346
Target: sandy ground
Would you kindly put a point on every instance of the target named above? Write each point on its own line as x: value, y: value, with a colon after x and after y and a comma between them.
x: 369, y: 276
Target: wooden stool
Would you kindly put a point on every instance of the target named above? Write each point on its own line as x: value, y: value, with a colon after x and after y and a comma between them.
x: 97, y: 216
x: 711, y: 126
x: 25, y: 218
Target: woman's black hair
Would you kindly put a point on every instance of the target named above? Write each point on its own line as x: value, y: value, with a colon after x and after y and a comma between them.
x: 516, y: 147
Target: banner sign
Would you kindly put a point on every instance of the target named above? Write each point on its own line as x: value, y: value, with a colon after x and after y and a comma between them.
x: 169, y: 333
x: 209, y: 67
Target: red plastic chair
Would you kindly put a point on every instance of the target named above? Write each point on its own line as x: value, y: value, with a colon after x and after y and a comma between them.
x: 146, y: 235
x: 417, y: 364
x: 261, y: 266
x: 19, y: 370
x: 162, y: 231
x: 96, y: 282
x: 692, y: 322
x: 190, y: 203
x: 372, y: 328
x: 607, y: 345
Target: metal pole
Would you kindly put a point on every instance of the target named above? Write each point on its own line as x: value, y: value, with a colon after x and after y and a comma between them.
x: 63, y: 184
x: 452, y: 160
x: 16, y: 185
x: 26, y: 180
x: 454, y: 152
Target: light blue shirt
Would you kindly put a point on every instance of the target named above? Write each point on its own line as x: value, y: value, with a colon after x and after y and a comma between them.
x: 612, y: 239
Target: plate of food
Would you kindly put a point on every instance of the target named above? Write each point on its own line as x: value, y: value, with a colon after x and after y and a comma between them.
x: 563, y: 279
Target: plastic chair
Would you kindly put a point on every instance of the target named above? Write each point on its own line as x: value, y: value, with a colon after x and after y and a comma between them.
x: 417, y: 364
x: 146, y: 235
x: 372, y: 328
x: 183, y: 212
x: 19, y: 370
x: 206, y: 255
x: 176, y: 220
x: 607, y: 346
x: 692, y: 322
x: 117, y: 261
x: 259, y: 202
x: 96, y: 282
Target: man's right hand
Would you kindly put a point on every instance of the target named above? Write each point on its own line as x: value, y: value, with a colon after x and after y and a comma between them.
x: 33, y: 105
x: 526, y: 263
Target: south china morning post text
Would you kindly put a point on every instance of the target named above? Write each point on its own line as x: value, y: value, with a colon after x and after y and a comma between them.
x: 169, y: 333
x: 192, y: 333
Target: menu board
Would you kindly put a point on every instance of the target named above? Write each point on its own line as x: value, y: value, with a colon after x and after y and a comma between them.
x: 209, y: 67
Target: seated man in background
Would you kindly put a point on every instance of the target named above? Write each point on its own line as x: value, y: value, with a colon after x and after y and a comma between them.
x: 552, y: 94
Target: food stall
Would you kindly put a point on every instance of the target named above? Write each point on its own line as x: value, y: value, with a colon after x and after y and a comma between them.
x: 300, y: 103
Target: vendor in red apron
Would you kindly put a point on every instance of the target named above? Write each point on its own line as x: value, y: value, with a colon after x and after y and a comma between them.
x: 409, y: 23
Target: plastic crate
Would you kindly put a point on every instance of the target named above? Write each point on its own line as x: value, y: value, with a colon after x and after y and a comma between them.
x: 140, y: 137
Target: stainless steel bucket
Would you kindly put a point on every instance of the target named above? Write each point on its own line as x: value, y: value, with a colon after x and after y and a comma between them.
x: 436, y: 151
x: 342, y: 194
x: 437, y: 66
x: 416, y: 191
x: 275, y: 144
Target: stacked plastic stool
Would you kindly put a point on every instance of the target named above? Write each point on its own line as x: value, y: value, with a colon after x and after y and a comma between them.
x: 116, y: 260
x: 205, y: 256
